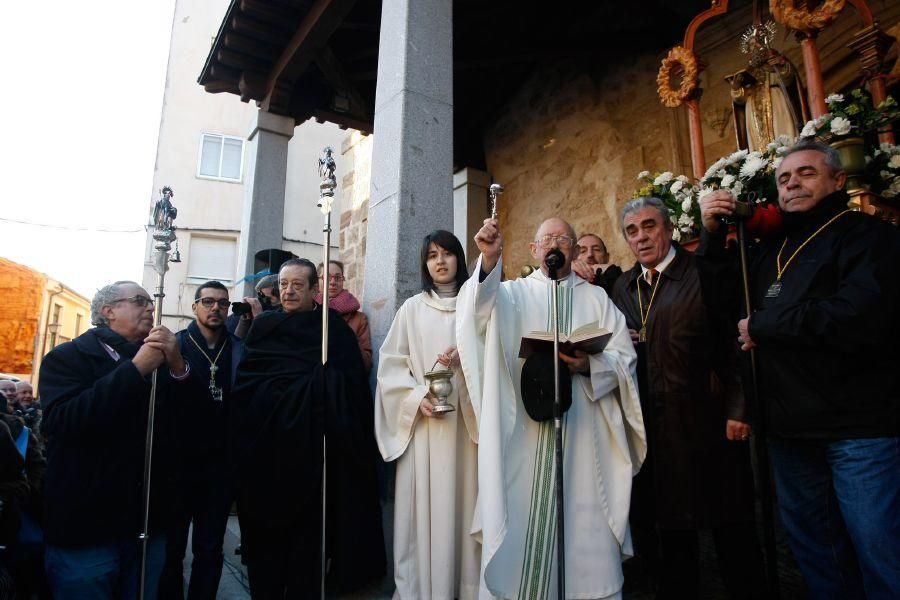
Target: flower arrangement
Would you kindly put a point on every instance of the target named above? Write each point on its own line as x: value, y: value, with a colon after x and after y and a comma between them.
x: 851, y: 115
x: 747, y: 175
x: 883, y: 170
x: 679, y: 196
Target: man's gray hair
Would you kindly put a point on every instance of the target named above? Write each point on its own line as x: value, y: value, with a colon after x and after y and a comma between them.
x: 105, y: 296
x: 832, y: 156
x: 21, y: 385
x: 642, y: 203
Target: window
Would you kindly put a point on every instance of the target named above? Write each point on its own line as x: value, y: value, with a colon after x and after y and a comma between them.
x: 78, y: 319
x: 211, y: 258
x: 221, y: 157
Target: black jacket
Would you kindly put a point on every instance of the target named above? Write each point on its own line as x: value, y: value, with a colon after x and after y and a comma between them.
x: 95, y: 418
x: 202, y: 425
x: 828, y: 343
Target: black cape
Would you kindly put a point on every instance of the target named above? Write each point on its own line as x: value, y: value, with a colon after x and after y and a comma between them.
x: 286, y: 401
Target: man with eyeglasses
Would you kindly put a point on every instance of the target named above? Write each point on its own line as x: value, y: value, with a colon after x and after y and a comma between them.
x: 603, y: 432
x: 96, y: 392
x: 287, y: 402
x: 204, y: 419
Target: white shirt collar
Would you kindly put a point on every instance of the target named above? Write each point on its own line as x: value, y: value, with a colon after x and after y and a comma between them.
x: 661, y: 266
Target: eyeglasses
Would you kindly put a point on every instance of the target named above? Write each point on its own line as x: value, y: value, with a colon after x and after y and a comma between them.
x: 563, y: 241
x: 295, y: 285
x: 210, y: 302
x: 142, y: 301
x: 337, y: 278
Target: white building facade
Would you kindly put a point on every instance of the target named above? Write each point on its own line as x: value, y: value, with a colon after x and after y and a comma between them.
x: 209, y: 150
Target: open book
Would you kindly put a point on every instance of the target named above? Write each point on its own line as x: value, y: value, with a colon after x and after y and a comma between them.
x: 587, y: 338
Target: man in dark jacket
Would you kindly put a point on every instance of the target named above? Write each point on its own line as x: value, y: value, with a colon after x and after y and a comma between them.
x: 288, y: 403
x: 593, y: 263
x: 697, y: 474
x: 205, y: 480
x: 825, y: 322
x: 96, y: 391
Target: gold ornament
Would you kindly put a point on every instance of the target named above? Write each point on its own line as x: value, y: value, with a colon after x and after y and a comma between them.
x: 684, y: 59
x: 803, y: 19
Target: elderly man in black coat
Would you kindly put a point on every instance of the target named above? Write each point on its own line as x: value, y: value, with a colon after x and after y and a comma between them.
x: 288, y: 402
x: 96, y: 391
x: 697, y: 474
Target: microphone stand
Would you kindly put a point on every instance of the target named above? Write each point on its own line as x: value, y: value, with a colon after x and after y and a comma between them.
x: 164, y: 234
x: 326, y: 199
x: 762, y: 451
x: 552, y: 268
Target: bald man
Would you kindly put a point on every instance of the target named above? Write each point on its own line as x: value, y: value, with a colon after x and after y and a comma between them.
x: 603, y: 432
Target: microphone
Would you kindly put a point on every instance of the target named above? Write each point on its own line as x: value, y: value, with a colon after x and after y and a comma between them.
x: 554, y: 260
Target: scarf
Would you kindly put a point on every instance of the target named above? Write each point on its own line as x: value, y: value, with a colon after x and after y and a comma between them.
x: 344, y: 303
x: 115, y: 341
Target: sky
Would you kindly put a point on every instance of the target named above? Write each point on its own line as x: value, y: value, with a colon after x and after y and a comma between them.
x: 82, y: 102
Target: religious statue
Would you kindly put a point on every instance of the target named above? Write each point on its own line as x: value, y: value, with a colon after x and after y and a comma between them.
x: 164, y: 212
x: 327, y: 166
x: 767, y: 98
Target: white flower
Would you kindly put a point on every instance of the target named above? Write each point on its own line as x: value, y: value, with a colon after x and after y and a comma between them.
x: 676, y: 186
x: 736, y: 156
x: 705, y: 192
x: 643, y: 174
x: 885, y: 147
x: 840, y: 126
x: 783, y: 140
x: 713, y: 168
x: 686, y: 220
x: 777, y: 162
x: 686, y: 204
x: 809, y: 129
x: 834, y: 98
x: 886, y: 175
x: 895, y: 162
x: 727, y: 180
x: 737, y: 188
x: 752, y: 165
x: 676, y: 235
x: 682, y: 178
x: 663, y: 178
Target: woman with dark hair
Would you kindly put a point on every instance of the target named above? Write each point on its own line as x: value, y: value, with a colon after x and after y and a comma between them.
x: 436, y: 454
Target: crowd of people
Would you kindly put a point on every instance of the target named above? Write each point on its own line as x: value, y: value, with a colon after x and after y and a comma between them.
x: 655, y: 426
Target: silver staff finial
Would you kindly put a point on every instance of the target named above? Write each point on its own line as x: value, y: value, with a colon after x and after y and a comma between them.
x: 327, y: 168
x: 496, y: 189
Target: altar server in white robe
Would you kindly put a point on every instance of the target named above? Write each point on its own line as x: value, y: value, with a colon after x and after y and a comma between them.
x: 435, y: 554
x: 604, y: 440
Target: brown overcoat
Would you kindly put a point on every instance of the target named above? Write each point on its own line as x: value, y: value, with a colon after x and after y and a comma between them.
x: 689, y: 390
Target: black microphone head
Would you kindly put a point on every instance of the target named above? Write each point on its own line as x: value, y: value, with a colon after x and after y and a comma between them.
x: 554, y: 259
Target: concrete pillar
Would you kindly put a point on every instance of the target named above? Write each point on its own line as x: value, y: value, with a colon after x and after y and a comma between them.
x: 412, y: 156
x: 470, y: 207
x: 262, y: 225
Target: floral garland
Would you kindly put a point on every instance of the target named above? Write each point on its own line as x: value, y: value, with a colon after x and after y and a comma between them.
x: 802, y: 19
x: 678, y: 56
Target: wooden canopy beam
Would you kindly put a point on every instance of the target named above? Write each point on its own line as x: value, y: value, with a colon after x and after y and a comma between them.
x: 310, y: 38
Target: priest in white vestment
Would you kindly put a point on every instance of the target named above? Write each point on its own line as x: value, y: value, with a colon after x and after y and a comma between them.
x: 436, y: 556
x: 604, y: 440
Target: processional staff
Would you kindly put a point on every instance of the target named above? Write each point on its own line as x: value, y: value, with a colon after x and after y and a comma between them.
x: 326, y: 200
x: 164, y: 214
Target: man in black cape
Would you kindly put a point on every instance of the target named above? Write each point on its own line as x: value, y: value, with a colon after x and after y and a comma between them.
x: 287, y: 400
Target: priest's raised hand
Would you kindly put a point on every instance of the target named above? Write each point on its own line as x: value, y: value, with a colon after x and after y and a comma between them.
x: 490, y: 243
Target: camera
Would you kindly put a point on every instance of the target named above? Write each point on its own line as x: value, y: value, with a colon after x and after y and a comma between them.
x: 241, y: 308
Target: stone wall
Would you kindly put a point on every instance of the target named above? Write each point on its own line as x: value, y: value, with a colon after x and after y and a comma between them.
x: 570, y: 144
x: 356, y: 167
x: 20, y: 308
